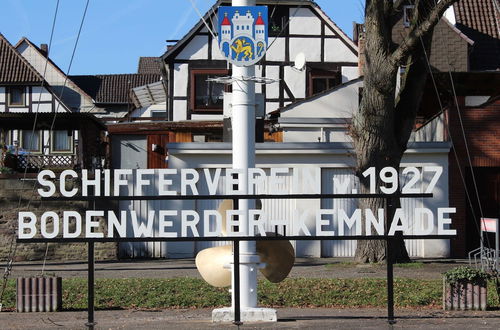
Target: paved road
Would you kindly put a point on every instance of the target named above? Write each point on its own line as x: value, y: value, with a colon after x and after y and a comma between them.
x: 172, y: 268
x: 288, y: 318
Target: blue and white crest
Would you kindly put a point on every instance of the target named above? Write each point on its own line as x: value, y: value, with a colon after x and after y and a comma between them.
x: 243, y: 34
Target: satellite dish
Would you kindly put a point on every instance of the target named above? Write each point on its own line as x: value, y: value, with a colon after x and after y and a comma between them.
x: 300, y: 62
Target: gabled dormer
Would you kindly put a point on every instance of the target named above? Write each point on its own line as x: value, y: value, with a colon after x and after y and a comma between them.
x: 294, y: 27
x: 76, y: 98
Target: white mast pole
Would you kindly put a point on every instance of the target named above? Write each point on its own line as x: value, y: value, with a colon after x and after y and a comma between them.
x: 243, y: 137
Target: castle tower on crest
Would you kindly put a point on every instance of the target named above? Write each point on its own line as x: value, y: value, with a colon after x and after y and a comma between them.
x: 243, y: 24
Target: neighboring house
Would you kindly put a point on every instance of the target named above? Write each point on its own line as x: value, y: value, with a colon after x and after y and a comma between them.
x: 149, y: 65
x: 295, y: 27
x: 326, y: 117
x: 480, y: 21
x: 191, y: 108
x: 76, y: 99
x: 111, y: 92
x: 38, y: 129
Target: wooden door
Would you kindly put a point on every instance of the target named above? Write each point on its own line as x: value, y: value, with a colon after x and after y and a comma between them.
x: 157, y: 150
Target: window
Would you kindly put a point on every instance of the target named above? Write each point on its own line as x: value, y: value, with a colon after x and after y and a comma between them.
x: 278, y: 20
x: 207, y: 96
x: 158, y: 114
x: 31, y: 141
x: 16, y: 96
x: 322, y: 80
x: 407, y: 15
x: 62, y: 141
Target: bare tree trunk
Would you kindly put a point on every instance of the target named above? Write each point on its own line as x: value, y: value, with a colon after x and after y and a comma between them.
x: 384, y: 123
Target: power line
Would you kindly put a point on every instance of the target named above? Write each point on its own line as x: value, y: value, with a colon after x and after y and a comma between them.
x: 451, y: 138
x: 13, y: 243
x: 193, y: 4
x: 60, y: 100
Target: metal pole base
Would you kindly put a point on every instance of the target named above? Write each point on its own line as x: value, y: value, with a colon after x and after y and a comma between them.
x: 91, y: 325
x: 247, y: 314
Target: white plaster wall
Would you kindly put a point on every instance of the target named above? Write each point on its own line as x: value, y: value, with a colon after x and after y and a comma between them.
x: 339, y: 103
x: 52, y: 75
x: 197, y: 49
x: 40, y: 93
x: 314, y: 134
x: 216, y: 53
x: 301, y: 135
x: 337, y: 51
x: 18, y: 110
x: 271, y: 106
x: 472, y: 101
x: 46, y: 107
x: 349, y: 73
x: 304, y: 22
x: 296, y: 81
x: 2, y: 108
x: 181, y: 74
x: 273, y: 90
x: 180, y: 110
x: 45, y: 142
x: 311, y: 47
x: 328, y: 31
x: 3, y: 97
x: 258, y: 73
x: 276, y: 51
x: 146, y: 111
x: 206, y: 117
x: 336, y: 135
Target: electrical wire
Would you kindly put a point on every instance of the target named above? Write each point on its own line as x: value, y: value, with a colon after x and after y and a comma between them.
x: 193, y: 4
x: 13, y: 243
x: 60, y: 99
x: 451, y: 139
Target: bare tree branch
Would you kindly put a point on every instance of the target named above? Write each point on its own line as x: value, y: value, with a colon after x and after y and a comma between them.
x: 398, y: 4
x: 420, y: 31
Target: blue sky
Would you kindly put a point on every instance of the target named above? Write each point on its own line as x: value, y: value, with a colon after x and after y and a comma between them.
x: 117, y: 32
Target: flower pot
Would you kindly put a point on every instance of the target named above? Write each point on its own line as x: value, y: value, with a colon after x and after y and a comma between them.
x: 464, y: 295
x: 39, y: 294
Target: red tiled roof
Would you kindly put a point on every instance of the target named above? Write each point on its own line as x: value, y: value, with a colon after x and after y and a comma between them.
x: 149, y: 65
x: 14, y: 69
x: 225, y: 21
x: 480, y: 15
x: 113, y: 88
x: 480, y: 21
x: 260, y: 21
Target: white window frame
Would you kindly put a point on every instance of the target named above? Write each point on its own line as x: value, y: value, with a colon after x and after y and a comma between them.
x: 406, y: 18
x: 71, y: 144
x: 9, y: 99
x: 40, y: 142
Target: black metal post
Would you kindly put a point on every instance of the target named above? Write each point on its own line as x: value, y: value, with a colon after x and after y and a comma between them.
x: 390, y: 266
x: 236, y: 274
x: 390, y: 283
x: 90, y: 287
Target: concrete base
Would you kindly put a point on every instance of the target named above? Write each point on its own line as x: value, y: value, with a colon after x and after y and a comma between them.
x: 247, y: 315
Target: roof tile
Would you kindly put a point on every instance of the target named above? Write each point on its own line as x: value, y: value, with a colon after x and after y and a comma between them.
x: 14, y: 69
x: 113, y: 88
x: 151, y: 65
x: 479, y: 20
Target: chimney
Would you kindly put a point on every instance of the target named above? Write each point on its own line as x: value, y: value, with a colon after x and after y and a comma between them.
x: 359, y: 39
x: 45, y: 49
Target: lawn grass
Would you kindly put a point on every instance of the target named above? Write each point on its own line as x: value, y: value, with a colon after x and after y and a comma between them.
x: 296, y: 292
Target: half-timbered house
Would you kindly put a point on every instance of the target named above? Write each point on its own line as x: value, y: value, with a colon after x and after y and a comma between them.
x: 38, y: 129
